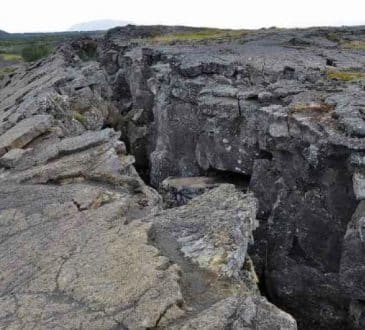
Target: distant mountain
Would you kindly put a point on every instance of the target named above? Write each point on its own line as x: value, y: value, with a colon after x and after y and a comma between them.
x: 98, y: 25
x: 3, y: 34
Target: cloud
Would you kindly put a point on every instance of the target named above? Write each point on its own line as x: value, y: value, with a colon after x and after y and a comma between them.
x: 46, y: 15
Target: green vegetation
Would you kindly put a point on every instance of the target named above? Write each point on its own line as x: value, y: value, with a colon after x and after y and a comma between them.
x: 35, y: 52
x: 5, y: 71
x: 345, y: 75
x: 79, y: 117
x: 33, y: 46
x: 11, y: 57
x: 26, y: 48
x: 198, y: 35
x: 333, y: 36
x: 349, y: 44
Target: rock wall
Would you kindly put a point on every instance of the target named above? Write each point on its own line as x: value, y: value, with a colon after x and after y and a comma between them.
x: 282, y: 110
x: 265, y: 106
x: 84, y: 243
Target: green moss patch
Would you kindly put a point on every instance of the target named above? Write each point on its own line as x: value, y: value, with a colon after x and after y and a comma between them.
x: 204, y: 34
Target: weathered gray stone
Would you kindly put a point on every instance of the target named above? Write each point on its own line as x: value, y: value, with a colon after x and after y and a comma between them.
x: 68, y: 267
x: 241, y: 313
x: 178, y: 191
x: 11, y: 158
x: 359, y: 185
x: 352, y: 260
x: 357, y: 316
x: 24, y: 132
x: 213, y: 230
x: 262, y: 107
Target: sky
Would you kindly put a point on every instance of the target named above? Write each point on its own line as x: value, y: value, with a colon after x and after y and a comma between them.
x: 60, y: 15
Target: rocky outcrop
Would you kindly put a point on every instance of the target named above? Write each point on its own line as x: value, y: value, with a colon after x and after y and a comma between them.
x: 241, y: 313
x: 71, y: 265
x: 179, y: 191
x: 281, y: 108
x: 65, y: 215
x: 278, y: 113
x: 217, y: 242
x: 84, y: 241
x: 24, y: 132
x: 66, y: 203
x: 208, y: 238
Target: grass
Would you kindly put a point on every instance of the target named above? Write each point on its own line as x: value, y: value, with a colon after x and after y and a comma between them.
x: 314, y: 106
x: 12, y: 57
x: 79, y: 117
x: 349, y: 44
x: 345, y: 75
x: 5, y: 71
x: 354, y: 44
x: 36, y: 51
x: 33, y: 46
x: 26, y: 49
x: 204, y: 34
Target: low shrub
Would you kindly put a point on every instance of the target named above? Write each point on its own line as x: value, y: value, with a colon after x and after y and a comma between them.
x: 37, y: 51
x: 333, y: 36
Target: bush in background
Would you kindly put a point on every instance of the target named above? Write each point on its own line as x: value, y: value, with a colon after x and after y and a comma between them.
x: 35, y: 52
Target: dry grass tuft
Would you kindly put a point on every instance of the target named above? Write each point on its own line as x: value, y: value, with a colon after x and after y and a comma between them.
x: 79, y: 117
x: 354, y: 44
x: 312, y: 106
x: 344, y: 75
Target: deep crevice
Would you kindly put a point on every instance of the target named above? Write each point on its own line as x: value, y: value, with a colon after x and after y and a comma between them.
x: 240, y: 180
x: 200, y: 288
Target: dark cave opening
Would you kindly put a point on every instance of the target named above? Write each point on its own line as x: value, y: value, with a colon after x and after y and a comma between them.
x: 240, y: 180
x: 144, y: 173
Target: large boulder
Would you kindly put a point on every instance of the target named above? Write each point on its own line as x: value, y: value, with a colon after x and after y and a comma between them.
x: 213, y: 230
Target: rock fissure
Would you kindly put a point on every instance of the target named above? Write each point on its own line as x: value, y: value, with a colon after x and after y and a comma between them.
x: 273, y: 112
x: 286, y: 136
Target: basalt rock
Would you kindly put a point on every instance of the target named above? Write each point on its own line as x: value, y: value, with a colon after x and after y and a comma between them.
x: 213, y: 230
x: 84, y: 243
x: 284, y: 108
x: 179, y: 191
x: 78, y: 225
x: 241, y: 313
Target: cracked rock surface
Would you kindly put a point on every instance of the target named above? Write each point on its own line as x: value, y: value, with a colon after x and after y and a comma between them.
x: 213, y: 230
x: 285, y: 110
x: 241, y: 313
x: 84, y: 242
x: 78, y: 226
